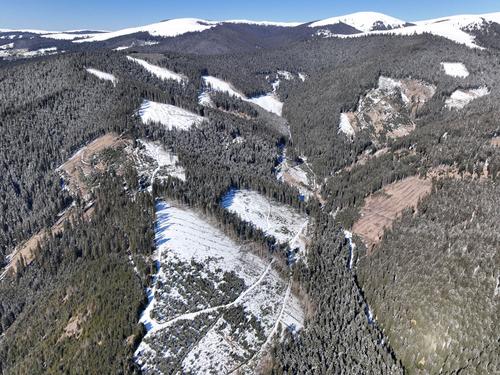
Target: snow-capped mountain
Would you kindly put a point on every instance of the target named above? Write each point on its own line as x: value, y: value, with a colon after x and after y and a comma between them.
x: 200, y: 36
x: 455, y: 28
x: 363, y: 21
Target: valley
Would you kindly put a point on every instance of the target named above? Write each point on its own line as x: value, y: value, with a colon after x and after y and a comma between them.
x: 251, y: 197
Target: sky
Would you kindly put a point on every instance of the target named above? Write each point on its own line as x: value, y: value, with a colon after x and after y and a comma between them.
x: 117, y: 14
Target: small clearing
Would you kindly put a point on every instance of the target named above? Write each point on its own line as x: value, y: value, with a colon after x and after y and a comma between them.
x: 170, y: 116
x: 387, y: 110
x: 345, y: 125
x: 270, y: 102
x: 158, y: 71
x: 213, y: 304
x: 455, y: 69
x: 495, y: 141
x: 382, y: 208
x: 156, y: 162
x: 102, y: 75
x: 460, y: 98
x: 278, y: 220
x: 74, y: 172
x: 80, y: 165
x: 299, y: 175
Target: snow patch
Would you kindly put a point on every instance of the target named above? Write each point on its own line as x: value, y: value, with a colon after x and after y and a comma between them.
x: 270, y: 102
x: 345, y: 125
x: 170, y: 28
x: 158, y: 71
x: 170, y: 116
x: 460, y: 98
x: 363, y: 21
x: 102, y: 75
x: 166, y: 162
x: 455, y: 69
x: 278, y: 220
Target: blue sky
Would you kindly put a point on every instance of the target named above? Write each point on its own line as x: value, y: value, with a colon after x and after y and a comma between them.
x: 116, y: 14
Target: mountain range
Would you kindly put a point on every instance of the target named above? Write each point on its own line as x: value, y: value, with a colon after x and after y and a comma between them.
x: 213, y: 37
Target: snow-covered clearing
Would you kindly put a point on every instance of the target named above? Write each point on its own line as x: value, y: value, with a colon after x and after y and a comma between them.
x: 102, y: 75
x: 460, y: 98
x: 158, y: 71
x: 220, y: 85
x: 387, y: 109
x: 299, y: 175
x: 170, y: 116
x: 154, y: 161
x: 455, y: 69
x: 345, y: 125
x: 278, y: 220
x: 212, y: 304
x: 270, y: 102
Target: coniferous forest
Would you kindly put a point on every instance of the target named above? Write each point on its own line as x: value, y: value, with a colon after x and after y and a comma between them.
x: 421, y: 298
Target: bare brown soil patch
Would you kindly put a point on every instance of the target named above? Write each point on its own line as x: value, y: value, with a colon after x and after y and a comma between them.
x: 495, y: 141
x: 382, y: 208
x: 74, y: 170
x: 80, y: 165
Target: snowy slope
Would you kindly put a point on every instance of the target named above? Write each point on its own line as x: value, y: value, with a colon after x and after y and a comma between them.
x: 170, y: 116
x: 203, y: 276
x: 154, y: 161
x: 170, y: 28
x: 158, y: 71
x: 102, y: 75
x: 455, y: 69
x: 69, y: 36
x: 453, y: 28
x: 363, y: 21
x: 264, y: 23
x: 460, y: 98
x: 345, y: 125
x: 278, y: 220
x: 270, y: 102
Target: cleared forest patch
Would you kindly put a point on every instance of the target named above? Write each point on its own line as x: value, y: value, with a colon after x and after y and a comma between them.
x: 74, y: 171
x: 381, y: 209
x: 80, y: 164
x: 213, y: 305
x: 495, y: 141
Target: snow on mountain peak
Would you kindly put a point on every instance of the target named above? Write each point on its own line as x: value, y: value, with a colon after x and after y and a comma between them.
x: 363, y: 21
x: 169, y: 28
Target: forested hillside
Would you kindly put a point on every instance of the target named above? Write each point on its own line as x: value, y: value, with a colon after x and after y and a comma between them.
x: 366, y: 123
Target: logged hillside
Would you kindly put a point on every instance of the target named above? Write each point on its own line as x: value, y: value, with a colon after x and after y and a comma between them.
x: 366, y: 131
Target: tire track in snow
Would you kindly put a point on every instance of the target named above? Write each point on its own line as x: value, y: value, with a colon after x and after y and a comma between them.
x: 192, y: 315
x: 271, y: 334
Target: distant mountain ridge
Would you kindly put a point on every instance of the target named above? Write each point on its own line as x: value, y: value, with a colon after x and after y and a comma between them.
x: 202, y: 36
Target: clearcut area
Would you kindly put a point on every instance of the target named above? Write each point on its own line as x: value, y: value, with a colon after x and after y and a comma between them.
x: 213, y: 305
